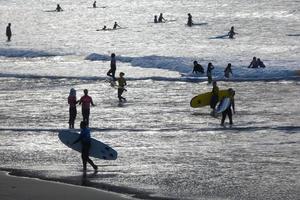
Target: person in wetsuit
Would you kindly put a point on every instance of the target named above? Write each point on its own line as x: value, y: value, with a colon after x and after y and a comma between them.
x: 190, y: 20
x: 198, y: 68
x: 86, y: 101
x: 58, y: 8
x: 8, y: 32
x: 231, y: 33
x: 228, y: 111
x: 94, y: 4
x: 116, y: 25
x: 161, y: 18
x: 85, y: 139
x: 228, y: 71
x: 72, y: 101
x: 260, y: 63
x: 215, y: 96
x: 253, y: 63
x: 210, y: 67
x: 113, y: 67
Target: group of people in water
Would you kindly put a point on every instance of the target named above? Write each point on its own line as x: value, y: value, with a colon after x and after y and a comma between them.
x: 160, y: 19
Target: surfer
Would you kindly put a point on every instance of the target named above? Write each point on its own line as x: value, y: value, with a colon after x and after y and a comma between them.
x: 155, y: 19
x: 94, y: 4
x: 253, y: 63
x: 72, y: 101
x: 85, y: 139
x: 58, y: 8
x: 198, y: 68
x: 104, y: 28
x: 161, y: 18
x: 113, y: 67
x: 190, y: 20
x: 260, y: 63
x: 121, y: 83
x: 231, y: 33
x: 116, y: 25
x: 228, y: 111
x: 210, y: 67
x: 8, y: 32
x: 228, y: 70
x: 215, y: 97
x: 86, y: 101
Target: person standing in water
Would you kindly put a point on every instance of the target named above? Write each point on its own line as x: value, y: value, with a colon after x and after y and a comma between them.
x: 72, y: 101
x: 215, y: 97
x: 94, y: 4
x: 86, y: 101
x: 155, y: 19
x: 8, y: 32
x: 228, y: 111
x: 113, y: 67
x: 190, y: 20
x: 85, y: 139
x: 253, y: 63
x: 228, y: 71
x: 121, y: 86
x: 210, y: 67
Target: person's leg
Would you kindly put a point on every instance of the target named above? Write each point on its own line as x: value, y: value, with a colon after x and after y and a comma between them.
x: 86, y: 115
x: 84, y: 156
x: 223, y: 117
x: 230, y: 116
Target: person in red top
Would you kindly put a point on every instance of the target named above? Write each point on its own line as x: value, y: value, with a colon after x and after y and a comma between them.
x: 72, y: 101
x: 86, y: 101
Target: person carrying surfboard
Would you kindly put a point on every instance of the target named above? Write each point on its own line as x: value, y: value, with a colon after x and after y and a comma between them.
x: 113, y: 67
x: 215, y: 97
x: 72, y: 101
x: 86, y: 101
x: 85, y: 139
x: 121, y: 84
x: 228, y: 111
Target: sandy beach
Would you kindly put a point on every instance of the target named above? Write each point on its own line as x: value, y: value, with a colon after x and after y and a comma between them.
x: 14, y: 188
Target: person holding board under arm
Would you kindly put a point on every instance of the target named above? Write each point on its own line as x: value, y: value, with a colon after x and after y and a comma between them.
x: 228, y: 111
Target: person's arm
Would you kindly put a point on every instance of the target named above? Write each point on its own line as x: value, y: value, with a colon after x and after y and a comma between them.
x: 92, y: 103
x: 233, y: 106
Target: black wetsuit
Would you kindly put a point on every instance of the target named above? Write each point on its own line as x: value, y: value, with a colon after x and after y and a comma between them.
x: 113, y: 68
x: 228, y: 112
x: 8, y: 33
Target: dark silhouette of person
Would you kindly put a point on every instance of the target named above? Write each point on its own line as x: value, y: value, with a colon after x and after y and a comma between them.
x: 72, y: 101
x: 85, y: 139
x: 198, y: 68
x: 94, y: 4
x: 228, y: 111
x: 215, y: 96
x: 231, y: 33
x: 253, y: 63
x: 260, y: 63
x: 155, y: 19
x: 58, y: 8
x: 121, y: 86
x: 161, y: 18
x: 116, y: 25
x: 190, y: 20
x: 228, y: 70
x: 210, y: 67
x: 8, y: 32
x: 113, y: 67
x: 86, y: 101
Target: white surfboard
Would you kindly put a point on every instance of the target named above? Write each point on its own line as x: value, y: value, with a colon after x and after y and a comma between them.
x: 97, y: 150
x: 223, y: 105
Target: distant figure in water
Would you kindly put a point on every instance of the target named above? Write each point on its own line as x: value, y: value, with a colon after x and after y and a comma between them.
x: 94, y: 4
x: 104, y: 28
x: 231, y: 33
x: 113, y: 67
x: 161, y: 18
x: 228, y: 71
x: 8, y: 32
x: 198, y: 68
x: 121, y: 83
x: 85, y: 139
x: 86, y: 101
x: 210, y: 67
x: 190, y: 20
x: 58, y: 8
x: 228, y: 111
x: 215, y: 97
x: 253, y: 63
x: 260, y: 63
x: 155, y: 19
x: 72, y: 101
x: 116, y: 25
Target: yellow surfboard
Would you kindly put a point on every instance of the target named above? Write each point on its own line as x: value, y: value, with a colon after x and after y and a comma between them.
x: 202, y: 100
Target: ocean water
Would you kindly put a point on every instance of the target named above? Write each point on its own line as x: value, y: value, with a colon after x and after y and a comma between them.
x: 167, y: 150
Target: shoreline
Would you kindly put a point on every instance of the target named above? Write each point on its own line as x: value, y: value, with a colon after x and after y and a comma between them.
x: 18, y: 184
x: 21, y: 187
